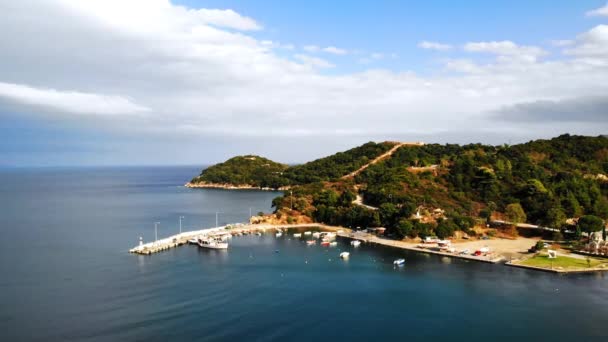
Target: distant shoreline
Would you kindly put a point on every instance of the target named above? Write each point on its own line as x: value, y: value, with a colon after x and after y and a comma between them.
x: 204, y: 185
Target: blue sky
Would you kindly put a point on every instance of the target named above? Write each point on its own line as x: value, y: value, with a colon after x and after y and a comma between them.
x: 135, y: 82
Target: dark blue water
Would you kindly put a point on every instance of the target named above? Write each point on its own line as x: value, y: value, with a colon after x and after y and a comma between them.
x: 66, y: 274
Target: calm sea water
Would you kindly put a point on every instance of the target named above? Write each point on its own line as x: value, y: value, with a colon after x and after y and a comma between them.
x: 66, y: 274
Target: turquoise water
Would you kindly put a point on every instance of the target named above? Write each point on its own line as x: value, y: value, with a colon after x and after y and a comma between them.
x: 66, y: 274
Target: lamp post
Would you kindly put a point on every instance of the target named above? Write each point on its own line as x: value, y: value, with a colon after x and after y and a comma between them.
x: 180, y: 224
x: 156, y: 231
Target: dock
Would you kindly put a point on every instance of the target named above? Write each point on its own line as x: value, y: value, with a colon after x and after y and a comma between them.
x: 182, y: 238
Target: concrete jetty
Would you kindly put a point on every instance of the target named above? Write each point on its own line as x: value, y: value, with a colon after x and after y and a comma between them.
x: 182, y: 238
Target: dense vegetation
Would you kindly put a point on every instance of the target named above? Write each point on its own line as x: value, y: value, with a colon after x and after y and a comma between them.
x: 261, y: 172
x: 337, y: 165
x: 245, y: 170
x: 543, y: 182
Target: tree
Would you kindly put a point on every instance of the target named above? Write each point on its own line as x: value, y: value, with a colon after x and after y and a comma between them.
x: 590, y: 224
x: 515, y: 213
x: 404, y: 228
x: 388, y: 213
x: 556, y: 217
x: 445, y: 229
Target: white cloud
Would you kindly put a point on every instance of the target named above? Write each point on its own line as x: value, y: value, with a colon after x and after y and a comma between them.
x: 313, y: 61
x: 311, y: 48
x: 69, y: 101
x: 334, y: 50
x: 184, y: 71
x: 377, y: 55
x: 506, y: 48
x: 434, y: 46
x: 602, y: 11
x: 593, y: 43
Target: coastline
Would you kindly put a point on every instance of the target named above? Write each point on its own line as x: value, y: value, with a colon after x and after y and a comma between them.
x: 226, y: 186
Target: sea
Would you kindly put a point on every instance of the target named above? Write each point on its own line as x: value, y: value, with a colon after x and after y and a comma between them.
x: 66, y: 274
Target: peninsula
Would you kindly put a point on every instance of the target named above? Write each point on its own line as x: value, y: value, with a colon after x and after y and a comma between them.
x: 460, y: 192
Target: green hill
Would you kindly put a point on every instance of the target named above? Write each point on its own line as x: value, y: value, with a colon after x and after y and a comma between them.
x: 250, y: 170
x: 542, y: 182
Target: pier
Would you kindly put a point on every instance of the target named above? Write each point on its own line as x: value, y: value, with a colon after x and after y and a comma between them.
x: 182, y: 238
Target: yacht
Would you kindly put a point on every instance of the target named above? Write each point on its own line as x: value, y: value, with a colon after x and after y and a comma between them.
x: 355, y: 243
x: 212, y: 243
x: 344, y: 255
x: 279, y: 234
x: 297, y: 235
x: 399, y: 262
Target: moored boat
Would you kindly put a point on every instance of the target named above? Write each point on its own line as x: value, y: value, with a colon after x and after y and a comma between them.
x: 316, y: 234
x: 279, y: 234
x: 193, y: 241
x: 311, y: 242
x: 307, y: 233
x: 355, y: 243
x: 333, y: 244
x: 344, y: 255
x: 297, y: 235
x: 399, y: 262
x: 325, y: 243
x: 212, y: 243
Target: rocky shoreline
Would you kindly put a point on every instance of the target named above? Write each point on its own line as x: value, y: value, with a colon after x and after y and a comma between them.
x: 206, y: 185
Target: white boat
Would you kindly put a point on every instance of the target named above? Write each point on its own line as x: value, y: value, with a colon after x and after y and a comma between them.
x: 279, y: 234
x: 297, y: 235
x: 193, y: 241
x: 311, y: 242
x: 316, y: 234
x: 355, y: 243
x: 258, y: 234
x: 344, y: 255
x: 399, y: 262
x: 307, y: 233
x: 333, y: 244
x: 212, y: 243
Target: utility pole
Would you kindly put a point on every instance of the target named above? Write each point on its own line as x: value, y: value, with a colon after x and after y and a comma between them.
x: 156, y: 231
x: 180, y: 224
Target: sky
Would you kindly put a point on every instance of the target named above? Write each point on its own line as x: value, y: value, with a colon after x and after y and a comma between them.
x: 159, y: 82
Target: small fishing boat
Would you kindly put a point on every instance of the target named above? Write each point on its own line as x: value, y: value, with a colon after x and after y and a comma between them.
x: 297, y: 234
x: 212, y: 243
x: 333, y: 244
x: 279, y: 234
x: 325, y: 243
x: 258, y: 234
x: 344, y: 255
x: 193, y: 241
x: 399, y: 262
x: 311, y: 242
x: 307, y: 233
x: 355, y: 243
x: 316, y: 234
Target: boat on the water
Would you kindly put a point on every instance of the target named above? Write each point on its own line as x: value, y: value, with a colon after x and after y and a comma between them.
x: 311, y: 242
x: 355, y: 243
x: 212, y: 243
x: 258, y: 234
x: 307, y: 233
x: 344, y: 255
x: 279, y: 234
x: 297, y: 234
x: 193, y: 241
x: 333, y: 244
x: 325, y: 243
x: 399, y: 262
x: 316, y: 234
